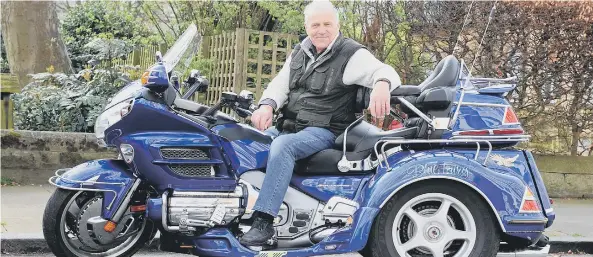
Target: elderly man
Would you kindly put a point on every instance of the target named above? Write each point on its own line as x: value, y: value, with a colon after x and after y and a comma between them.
x: 315, y: 94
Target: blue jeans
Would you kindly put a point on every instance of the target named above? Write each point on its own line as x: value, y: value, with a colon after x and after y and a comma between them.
x: 285, y: 150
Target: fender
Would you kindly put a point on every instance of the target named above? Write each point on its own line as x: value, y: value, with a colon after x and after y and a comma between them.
x: 112, y: 177
x: 503, y: 193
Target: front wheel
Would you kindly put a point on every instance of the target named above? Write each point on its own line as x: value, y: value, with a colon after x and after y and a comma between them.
x: 439, y: 219
x: 67, y: 229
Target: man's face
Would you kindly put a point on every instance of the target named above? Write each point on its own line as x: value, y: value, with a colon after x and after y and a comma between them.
x: 322, y: 29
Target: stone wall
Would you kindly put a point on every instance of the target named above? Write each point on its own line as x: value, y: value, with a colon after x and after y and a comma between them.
x: 567, y: 176
x: 30, y: 157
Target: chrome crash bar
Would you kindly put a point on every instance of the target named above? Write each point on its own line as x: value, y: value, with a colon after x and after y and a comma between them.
x: 59, y: 175
x: 400, y: 141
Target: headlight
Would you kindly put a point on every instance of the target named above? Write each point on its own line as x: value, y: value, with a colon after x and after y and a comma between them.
x: 110, y: 117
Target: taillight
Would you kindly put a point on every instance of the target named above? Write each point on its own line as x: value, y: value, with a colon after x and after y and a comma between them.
x: 475, y: 133
x: 487, y: 132
x: 529, y: 204
x: 509, y: 116
x: 507, y: 131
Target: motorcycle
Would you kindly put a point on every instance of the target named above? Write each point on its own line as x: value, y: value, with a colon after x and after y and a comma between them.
x: 449, y: 182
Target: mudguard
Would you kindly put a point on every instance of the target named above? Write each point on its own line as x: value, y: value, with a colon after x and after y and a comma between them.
x: 112, y: 177
x: 502, y: 192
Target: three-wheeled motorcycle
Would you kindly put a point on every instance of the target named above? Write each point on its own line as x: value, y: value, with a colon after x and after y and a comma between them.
x: 450, y: 182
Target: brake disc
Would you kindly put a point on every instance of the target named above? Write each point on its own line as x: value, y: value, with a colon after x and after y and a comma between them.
x: 85, y: 231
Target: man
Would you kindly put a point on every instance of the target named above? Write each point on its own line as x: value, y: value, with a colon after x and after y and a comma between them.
x: 315, y: 93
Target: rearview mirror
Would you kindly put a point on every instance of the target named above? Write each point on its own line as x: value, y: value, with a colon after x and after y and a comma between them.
x: 156, y: 79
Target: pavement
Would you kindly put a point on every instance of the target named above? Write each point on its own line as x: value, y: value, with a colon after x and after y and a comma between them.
x: 144, y: 254
x: 22, y: 210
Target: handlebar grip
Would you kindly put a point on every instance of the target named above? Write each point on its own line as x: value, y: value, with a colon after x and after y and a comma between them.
x: 243, y: 112
x: 212, y: 109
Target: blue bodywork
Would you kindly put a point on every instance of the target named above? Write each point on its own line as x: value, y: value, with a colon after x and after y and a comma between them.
x: 113, y: 177
x: 234, y: 148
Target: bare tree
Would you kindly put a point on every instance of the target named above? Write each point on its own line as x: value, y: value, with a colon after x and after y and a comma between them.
x: 32, y: 39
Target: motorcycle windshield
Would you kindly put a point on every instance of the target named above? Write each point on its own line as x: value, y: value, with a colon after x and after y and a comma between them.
x: 178, y: 58
x: 125, y: 93
x: 181, y: 54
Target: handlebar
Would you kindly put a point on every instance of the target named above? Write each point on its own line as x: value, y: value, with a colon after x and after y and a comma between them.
x: 241, y: 105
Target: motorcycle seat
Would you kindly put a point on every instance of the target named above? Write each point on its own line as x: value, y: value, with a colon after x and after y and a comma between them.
x: 360, y: 140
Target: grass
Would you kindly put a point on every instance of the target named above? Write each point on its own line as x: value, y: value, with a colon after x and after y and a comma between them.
x: 8, y: 182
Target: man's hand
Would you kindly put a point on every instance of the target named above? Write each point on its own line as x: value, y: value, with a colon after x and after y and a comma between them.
x: 262, y: 117
x: 379, y: 102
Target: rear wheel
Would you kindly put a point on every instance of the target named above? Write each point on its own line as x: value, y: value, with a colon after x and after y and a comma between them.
x: 434, y: 219
x: 67, y: 232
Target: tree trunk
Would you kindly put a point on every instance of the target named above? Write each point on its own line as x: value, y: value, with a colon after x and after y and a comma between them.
x: 32, y: 39
x: 576, y: 136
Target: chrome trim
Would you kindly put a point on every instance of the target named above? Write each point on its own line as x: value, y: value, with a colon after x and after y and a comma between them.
x: 386, y: 141
x: 482, y: 104
x: 164, y: 215
x: 52, y: 182
x: 235, y: 194
x: 449, y: 178
x: 85, y: 182
x: 343, y: 164
x: 533, y: 221
x: 124, y: 204
x: 494, y: 138
x: 456, y: 115
x: 510, y: 79
x: 530, y: 252
x: 415, y: 110
x: 164, y: 205
x: 87, y: 189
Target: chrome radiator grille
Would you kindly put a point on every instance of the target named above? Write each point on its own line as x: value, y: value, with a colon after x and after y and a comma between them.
x: 184, y: 153
x: 192, y: 170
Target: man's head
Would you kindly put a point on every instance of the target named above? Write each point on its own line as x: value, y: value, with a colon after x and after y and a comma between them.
x: 322, y: 23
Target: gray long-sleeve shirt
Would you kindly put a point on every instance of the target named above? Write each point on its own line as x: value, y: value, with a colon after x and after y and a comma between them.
x: 362, y: 69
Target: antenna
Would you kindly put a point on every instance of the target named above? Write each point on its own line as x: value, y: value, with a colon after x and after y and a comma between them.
x: 462, y: 27
x: 483, y: 35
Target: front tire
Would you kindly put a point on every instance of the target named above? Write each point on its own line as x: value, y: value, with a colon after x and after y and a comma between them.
x: 438, y: 218
x: 59, y: 227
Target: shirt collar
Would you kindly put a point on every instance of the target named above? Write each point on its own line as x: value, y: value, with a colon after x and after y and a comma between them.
x: 307, y: 44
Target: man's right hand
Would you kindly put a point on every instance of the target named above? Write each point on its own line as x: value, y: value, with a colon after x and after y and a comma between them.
x: 262, y: 117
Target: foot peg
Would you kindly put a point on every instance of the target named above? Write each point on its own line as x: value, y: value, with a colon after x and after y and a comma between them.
x: 272, y: 243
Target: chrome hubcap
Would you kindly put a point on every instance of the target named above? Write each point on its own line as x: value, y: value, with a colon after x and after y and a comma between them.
x: 435, y: 224
x: 433, y: 232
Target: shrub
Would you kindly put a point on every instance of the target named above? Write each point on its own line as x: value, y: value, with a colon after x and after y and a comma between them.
x: 104, y: 19
x: 60, y: 102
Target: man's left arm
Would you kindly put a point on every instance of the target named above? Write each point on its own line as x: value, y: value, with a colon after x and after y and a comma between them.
x: 366, y: 70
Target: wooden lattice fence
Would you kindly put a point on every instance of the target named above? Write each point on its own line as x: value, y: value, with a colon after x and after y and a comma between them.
x: 143, y: 57
x: 245, y: 59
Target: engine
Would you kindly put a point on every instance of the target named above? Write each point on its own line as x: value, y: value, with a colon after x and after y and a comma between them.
x: 185, y: 210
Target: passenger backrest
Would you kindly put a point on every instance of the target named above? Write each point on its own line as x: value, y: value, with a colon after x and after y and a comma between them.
x: 444, y: 75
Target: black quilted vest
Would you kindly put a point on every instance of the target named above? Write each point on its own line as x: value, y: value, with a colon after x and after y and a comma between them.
x: 318, y: 97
